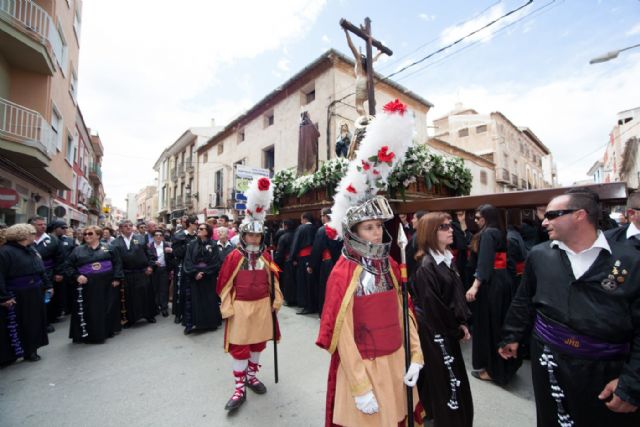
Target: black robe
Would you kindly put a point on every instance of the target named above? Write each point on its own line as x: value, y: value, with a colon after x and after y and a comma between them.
x: 53, y: 257
x: 322, y: 267
x: 67, y: 294
x: 619, y: 235
x: 288, y: 274
x: 24, y: 325
x: 94, y: 301
x: 203, y: 312
x: 139, y: 298
x: 160, y: 276
x: 441, y: 309
x: 305, y: 297
x: 179, y: 244
x: 490, y: 308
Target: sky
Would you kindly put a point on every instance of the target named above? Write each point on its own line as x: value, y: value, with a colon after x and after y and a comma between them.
x: 151, y: 69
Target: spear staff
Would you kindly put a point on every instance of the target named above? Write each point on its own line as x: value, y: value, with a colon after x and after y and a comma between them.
x: 273, y: 315
x: 402, y: 242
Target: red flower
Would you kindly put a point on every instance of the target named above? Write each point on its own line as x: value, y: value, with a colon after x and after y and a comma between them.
x: 351, y: 189
x: 249, y: 212
x: 366, y: 166
x: 258, y: 209
x: 331, y: 232
x: 384, y: 156
x: 395, y: 106
x: 376, y: 172
x: 263, y: 184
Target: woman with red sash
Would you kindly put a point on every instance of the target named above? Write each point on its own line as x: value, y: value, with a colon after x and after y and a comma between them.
x: 362, y: 318
x: 250, y: 295
x: 492, y: 291
x: 96, y: 272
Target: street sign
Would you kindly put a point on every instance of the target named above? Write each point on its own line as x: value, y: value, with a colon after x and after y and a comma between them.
x: 240, y: 197
x: 240, y: 206
x: 8, y: 197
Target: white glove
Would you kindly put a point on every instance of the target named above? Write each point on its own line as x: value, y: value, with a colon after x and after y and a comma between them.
x: 411, y: 377
x: 367, y: 403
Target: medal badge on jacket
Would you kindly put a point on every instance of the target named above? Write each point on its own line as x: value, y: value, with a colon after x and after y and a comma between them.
x: 615, y: 278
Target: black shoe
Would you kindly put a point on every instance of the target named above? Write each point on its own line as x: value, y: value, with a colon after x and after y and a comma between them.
x: 234, y: 404
x: 304, y: 311
x: 257, y: 387
x: 151, y: 319
x: 165, y: 313
x: 188, y: 330
x: 50, y: 329
x: 178, y: 319
x: 33, y: 357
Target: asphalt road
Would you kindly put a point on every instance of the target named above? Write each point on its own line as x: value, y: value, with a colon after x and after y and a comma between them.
x: 153, y: 375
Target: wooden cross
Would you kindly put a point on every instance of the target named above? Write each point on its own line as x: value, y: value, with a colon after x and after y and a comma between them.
x: 364, y: 32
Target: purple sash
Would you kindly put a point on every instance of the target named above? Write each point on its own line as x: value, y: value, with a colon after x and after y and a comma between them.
x: 24, y: 282
x: 97, y: 267
x: 569, y: 342
x: 48, y: 263
x: 201, y: 265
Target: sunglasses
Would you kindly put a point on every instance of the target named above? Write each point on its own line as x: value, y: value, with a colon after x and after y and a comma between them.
x: 89, y: 233
x: 444, y: 227
x: 550, y: 215
x: 202, y: 228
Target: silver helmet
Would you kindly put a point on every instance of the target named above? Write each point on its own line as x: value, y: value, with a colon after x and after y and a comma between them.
x: 256, y: 227
x: 374, y: 208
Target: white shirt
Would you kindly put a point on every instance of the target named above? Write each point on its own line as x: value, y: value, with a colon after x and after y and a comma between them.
x: 219, y: 243
x: 127, y: 240
x: 633, y: 231
x: 447, y: 257
x: 160, y: 253
x: 42, y: 237
x: 580, y: 262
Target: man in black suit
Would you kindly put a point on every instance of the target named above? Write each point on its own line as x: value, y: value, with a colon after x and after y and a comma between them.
x: 629, y: 233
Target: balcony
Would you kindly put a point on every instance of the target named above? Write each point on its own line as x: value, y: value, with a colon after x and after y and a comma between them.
x: 181, y: 170
x: 29, y: 38
x: 523, y: 184
x: 190, y: 167
x: 94, y: 205
x: 179, y: 203
x: 503, y: 176
x: 95, y: 173
x: 172, y: 204
x: 514, y: 179
x: 174, y: 175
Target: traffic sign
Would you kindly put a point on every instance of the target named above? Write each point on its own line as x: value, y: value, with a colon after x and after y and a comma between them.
x: 240, y: 197
x: 240, y: 206
x: 8, y: 197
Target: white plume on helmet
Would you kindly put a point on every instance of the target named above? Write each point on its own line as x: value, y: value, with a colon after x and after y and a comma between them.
x: 259, y: 196
x: 388, y: 137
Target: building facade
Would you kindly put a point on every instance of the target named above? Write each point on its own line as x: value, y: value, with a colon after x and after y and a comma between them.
x: 266, y: 136
x: 147, y: 203
x: 521, y: 160
x: 45, y: 146
x: 621, y: 161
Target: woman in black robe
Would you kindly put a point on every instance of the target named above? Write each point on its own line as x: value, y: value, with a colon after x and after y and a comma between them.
x: 442, y: 315
x: 22, y: 281
x: 96, y: 272
x: 492, y: 291
x: 201, y: 265
x: 288, y: 273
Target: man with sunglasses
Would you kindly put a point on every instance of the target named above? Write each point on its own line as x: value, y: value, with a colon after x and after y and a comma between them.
x: 179, y: 244
x: 580, y: 297
x: 630, y: 232
x: 137, y: 264
x: 63, y: 292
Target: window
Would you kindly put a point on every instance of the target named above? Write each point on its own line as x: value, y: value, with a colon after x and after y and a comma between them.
x: 308, y: 93
x: 73, y: 86
x: 268, y: 159
x: 463, y: 132
x: 61, y: 51
x: 205, y: 158
x: 69, y: 154
x: 269, y: 119
x: 219, y: 187
x: 77, y: 24
x: 56, y: 125
x: 481, y: 129
x: 483, y: 177
x: 220, y: 148
x: 74, y: 188
x: 240, y: 135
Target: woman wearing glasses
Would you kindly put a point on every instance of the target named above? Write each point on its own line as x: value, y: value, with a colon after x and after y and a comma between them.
x: 201, y: 265
x: 492, y: 291
x: 442, y: 315
x: 96, y: 272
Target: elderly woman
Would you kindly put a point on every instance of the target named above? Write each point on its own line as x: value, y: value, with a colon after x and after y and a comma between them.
x: 22, y: 281
x: 96, y: 271
x: 201, y: 266
x: 442, y: 315
x: 223, y: 244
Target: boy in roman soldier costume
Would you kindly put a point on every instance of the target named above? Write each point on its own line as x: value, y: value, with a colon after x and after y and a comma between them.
x: 249, y: 298
x: 362, y: 319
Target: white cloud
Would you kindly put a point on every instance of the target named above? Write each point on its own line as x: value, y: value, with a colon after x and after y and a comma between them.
x: 633, y: 31
x: 426, y: 17
x: 143, y: 63
x: 572, y: 116
x: 455, y: 32
x: 326, y: 39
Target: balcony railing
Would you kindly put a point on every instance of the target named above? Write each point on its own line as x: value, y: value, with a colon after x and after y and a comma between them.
x: 174, y: 175
x: 502, y: 175
x: 36, y: 20
x: 26, y: 125
x: 172, y: 204
x: 514, y: 179
x: 181, y: 171
x: 190, y: 166
x: 96, y: 170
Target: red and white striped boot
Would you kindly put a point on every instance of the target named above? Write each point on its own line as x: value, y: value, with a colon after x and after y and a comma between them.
x: 240, y: 393
x: 252, y: 382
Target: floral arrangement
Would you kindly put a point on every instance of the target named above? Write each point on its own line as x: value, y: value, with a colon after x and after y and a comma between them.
x: 419, y: 163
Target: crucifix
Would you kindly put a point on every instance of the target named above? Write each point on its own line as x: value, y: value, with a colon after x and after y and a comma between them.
x: 364, y: 63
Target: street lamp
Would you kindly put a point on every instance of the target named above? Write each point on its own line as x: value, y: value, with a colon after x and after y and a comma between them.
x: 611, y: 55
